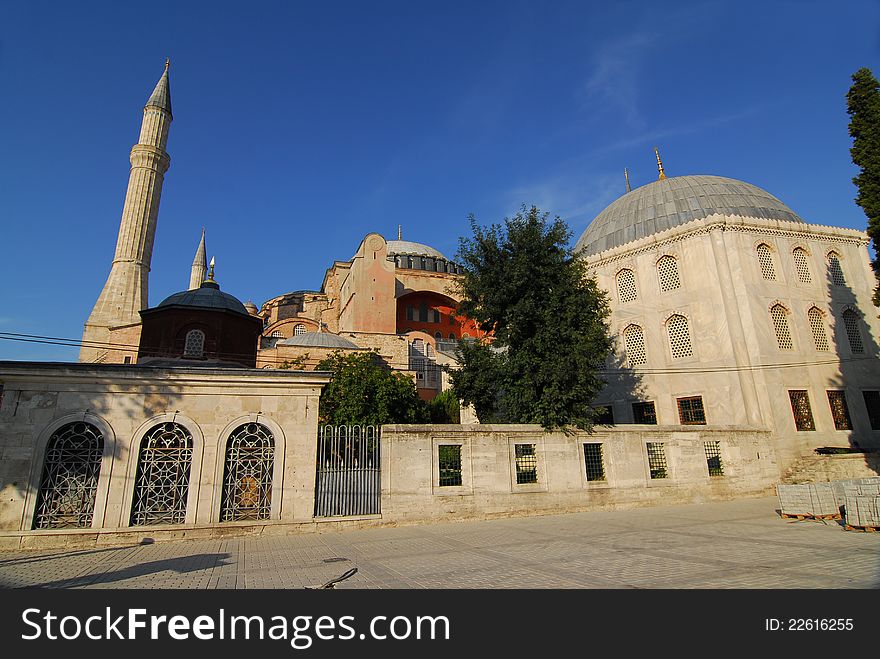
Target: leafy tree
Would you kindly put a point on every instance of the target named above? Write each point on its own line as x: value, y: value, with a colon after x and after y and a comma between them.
x: 863, y: 107
x: 444, y: 408
x: 364, y: 390
x: 523, y: 283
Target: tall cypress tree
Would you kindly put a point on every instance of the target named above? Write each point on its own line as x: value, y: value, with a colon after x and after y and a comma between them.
x: 863, y: 107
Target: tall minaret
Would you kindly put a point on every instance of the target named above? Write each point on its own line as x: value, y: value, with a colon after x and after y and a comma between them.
x: 125, y: 292
x: 199, y: 266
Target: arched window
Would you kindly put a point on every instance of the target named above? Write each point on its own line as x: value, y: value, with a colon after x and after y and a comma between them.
x: 851, y: 324
x: 162, y: 482
x: 779, y: 316
x: 634, y: 344
x: 765, y: 260
x: 835, y: 272
x: 194, y: 345
x: 299, y: 330
x: 452, y: 336
x: 817, y: 327
x: 679, y: 337
x: 277, y: 334
x: 801, y: 264
x: 626, y: 285
x: 438, y: 336
x: 70, y: 477
x: 667, y: 269
x: 247, y: 476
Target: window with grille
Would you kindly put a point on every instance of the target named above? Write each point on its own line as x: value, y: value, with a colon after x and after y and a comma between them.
x: 800, y: 408
x: 765, y: 260
x: 872, y: 404
x: 667, y: 269
x: 690, y: 411
x: 817, y: 327
x: 626, y: 286
x: 194, y: 346
x: 835, y: 272
x: 299, y: 330
x: 779, y: 316
x: 679, y: 337
x: 450, y: 464
x: 162, y: 483
x: 644, y: 413
x: 801, y: 265
x: 66, y: 498
x: 605, y: 415
x: 247, y: 476
x: 851, y: 325
x: 657, y: 460
x: 634, y: 344
x: 277, y: 334
x: 595, y: 466
x: 713, y: 458
x: 839, y: 410
x: 526, y: 463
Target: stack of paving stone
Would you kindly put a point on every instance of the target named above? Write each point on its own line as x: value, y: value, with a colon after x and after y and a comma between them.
x: 863, y: 512
x: 855, y: 487
x: 808, y: 500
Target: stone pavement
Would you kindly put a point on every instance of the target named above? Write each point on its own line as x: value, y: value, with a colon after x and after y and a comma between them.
x: 732, y: 544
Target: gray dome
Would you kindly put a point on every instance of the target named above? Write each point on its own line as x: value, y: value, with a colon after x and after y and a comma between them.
x: 318, y: 340
x: 671, y: 202
x: 408, y: 247
x: 208, y: 296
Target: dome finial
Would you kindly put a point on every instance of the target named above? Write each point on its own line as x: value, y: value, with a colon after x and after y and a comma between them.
x: 167, y: 63
x: 659, y: 165
x: 400, y: 232
x: 211, y: 271
x: 626, y: 176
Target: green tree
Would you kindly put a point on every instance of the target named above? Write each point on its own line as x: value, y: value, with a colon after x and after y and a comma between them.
x: 863, y: 107
x: 523, y: 283
x: 364, y: 390
x: 444, y: 408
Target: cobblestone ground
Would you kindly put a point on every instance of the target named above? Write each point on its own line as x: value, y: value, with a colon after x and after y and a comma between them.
x: 735, y: 544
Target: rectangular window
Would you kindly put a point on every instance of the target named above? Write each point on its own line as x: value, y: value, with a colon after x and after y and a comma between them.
x: 657, y: 460
x: 126, y: 359
x: 872, y: 403
x: 423, y: 313
x: 526, y: 463
x: 839, y: 410
x: 800, y: 407
x: 593, y: 461
x: 410, y: 312
x: 605, y: 415
x: 645, y: 413
x: 435, y: 316
x: 713, y: 458
x: 690, y: 411
x: 450, y: 465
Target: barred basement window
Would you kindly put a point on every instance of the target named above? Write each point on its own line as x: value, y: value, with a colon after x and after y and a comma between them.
x: 800, y: 408
x: 594, y: 464
x: 802, y: 265
x: 626, y: 286
x: 247, y: 476
x: 449, y: 456
x: 162, y: 483
x: 780, y: 325
x: 839, y: 410
x: 765, y: 260
x: 851, y: 324
x: 657, y: 460
x: 690, y: 411
x: 679, y: 337
x: 713, y: 458
x: 195, y: 344
x: 872, y: 404
x: 634, y: 344
x: 667, y: 268
x: 644, y: 413
x: 526, y: 463
x: 835, y: 272
x: 817, y: 326
x: 70, y: 477
x: 299, y: 330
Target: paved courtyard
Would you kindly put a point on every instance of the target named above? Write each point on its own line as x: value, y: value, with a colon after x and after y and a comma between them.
x: 735, y: 544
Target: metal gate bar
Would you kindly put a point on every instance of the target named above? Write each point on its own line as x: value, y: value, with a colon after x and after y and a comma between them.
x: 347, y: 479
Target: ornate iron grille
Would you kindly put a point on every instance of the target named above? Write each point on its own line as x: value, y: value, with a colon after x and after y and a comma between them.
x: 690, y: 411
x: 195, y: 344
x: 70, y: 477
x: 348, y: 471
x: 626, y: 286
x: 526, y: 463
x: 851, y: 324
x: 800, y: 407
x: 162, y: 482
x: 713, y: 458
x: 765, y: 259
x: 657, y: 460
x: 839, y: 410
x: 247, y: 477
x: 801, y: 265
x: 449, y: 457
x: 644, y: 413
x: 835, y: 272
x: 679, y: 337
x: 634, y: 344
x: 667, y: 269
x: 593, y: 462
x: 817, y: 325
x: 779, y: 316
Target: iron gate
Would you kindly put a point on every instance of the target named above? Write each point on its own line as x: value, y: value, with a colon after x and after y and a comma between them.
x: 347, y: 481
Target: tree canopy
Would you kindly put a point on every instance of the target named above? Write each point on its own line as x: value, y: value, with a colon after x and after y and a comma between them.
x: 863, y: 107
x: 547, y: 317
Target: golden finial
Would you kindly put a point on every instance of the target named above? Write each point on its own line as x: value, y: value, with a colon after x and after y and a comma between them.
x: 626, y: 176
x: 167, y: 63
x: 659, y: 165
x: 211, y: 271
x: 400, y: 232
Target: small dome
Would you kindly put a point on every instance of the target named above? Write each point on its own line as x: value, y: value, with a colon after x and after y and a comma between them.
x: 251, y: 308
x: 318, y: 340
x: 208, y: 296
x: 407, y: 247
x: 671, y: 202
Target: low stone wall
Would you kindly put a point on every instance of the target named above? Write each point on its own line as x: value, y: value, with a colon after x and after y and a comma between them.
x: 834, y: 467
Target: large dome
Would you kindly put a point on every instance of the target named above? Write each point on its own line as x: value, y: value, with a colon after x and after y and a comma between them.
x: 208, y: 296
x: 415, y: 249
x: 671, y: 202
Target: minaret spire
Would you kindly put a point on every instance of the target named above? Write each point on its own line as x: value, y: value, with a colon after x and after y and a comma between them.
x: 626, y: 176
x: 199, y: 265
x: 400, y: 232
x: 659, y: 165
x: 126, y: 291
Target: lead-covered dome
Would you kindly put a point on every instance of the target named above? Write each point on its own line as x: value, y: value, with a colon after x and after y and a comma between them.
x: 408, y: 247
x: 208, y: 296
x: 671, y: 202
x: 319, y: 340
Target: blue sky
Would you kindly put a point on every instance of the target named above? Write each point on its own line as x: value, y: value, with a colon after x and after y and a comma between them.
x: 299, y: 127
